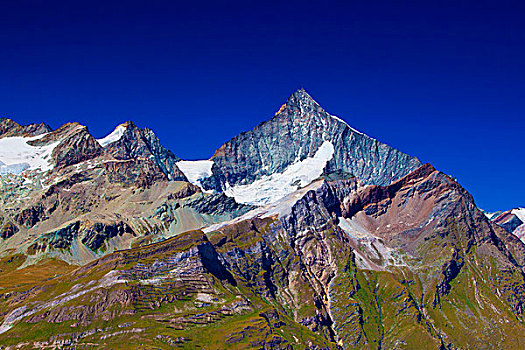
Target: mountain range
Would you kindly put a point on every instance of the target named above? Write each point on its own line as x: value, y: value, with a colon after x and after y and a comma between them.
x: 302, y: 233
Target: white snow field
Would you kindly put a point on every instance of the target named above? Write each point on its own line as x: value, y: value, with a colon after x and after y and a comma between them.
x: 268, y: 189
x: 17, y: 155
x: 196, y: 170
x: 113, y: 137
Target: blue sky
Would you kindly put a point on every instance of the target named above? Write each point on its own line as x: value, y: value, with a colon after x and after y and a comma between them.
x: 443, y: 81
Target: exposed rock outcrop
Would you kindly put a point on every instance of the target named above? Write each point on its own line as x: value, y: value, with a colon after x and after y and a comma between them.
x: 143, y: 143
x: 139, y: 172
x: 29, y: 217
x: 218, y: 204
x: 99, y: 233
x: 7, y: 229
x: 9, y: 128
x: 92, y: 235
x: 77, y: 146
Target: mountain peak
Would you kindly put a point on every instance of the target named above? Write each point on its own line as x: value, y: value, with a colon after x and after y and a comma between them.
x: 129, y: 124
x: 300, y: 103
x: 302, y: 92
x: 294, y: 136
x: 301, y: 98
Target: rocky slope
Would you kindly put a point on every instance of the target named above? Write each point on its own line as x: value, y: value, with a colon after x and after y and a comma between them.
x: 312, y: 236
x: 136, y: 143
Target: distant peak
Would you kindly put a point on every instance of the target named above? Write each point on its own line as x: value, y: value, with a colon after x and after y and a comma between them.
x: 8, y: 122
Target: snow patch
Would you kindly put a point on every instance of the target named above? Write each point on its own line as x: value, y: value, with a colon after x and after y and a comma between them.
x: 196, y: 170
x: 491, y: 216
x: 14, y: 168
x: 279, y: 208
x: 113, y: 137
x: 520, y: 213
x: 354, y: 130
x: 271, y: 188
x: 17, y: 155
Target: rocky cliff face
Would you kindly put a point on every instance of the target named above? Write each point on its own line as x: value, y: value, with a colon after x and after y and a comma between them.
x: 143, y: 143
x: 295, y: 133
x: 343, y: 246
x: 76, y: 145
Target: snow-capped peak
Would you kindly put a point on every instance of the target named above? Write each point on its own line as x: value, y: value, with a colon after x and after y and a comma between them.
x: 114, y: 136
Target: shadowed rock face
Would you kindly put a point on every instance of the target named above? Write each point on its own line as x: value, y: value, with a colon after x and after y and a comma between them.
x: 29, y: 217
x: 7, y: 229
x: 218, y: 204
x: 296, y: 132
x: 95, y: 236
x: 92, y: 235
x: 76, y: 147
x: 143, y: 143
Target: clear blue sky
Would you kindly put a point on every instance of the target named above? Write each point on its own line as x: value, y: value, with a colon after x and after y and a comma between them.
x: 443, y: 81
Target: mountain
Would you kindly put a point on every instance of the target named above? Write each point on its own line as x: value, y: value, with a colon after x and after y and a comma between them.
x: 302, y: 233
x: 70, y: 196
x: 301, y: 131
x: 512, y: 220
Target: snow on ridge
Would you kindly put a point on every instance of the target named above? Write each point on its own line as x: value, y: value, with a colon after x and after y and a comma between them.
x: 196, y: 170
x: 490, y: 216
x: 113, y: 137
x: 18, y: 156
x: 341, y: 120
x: 271, y: 188
x: 354, y: 130
x: 520, y: 213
